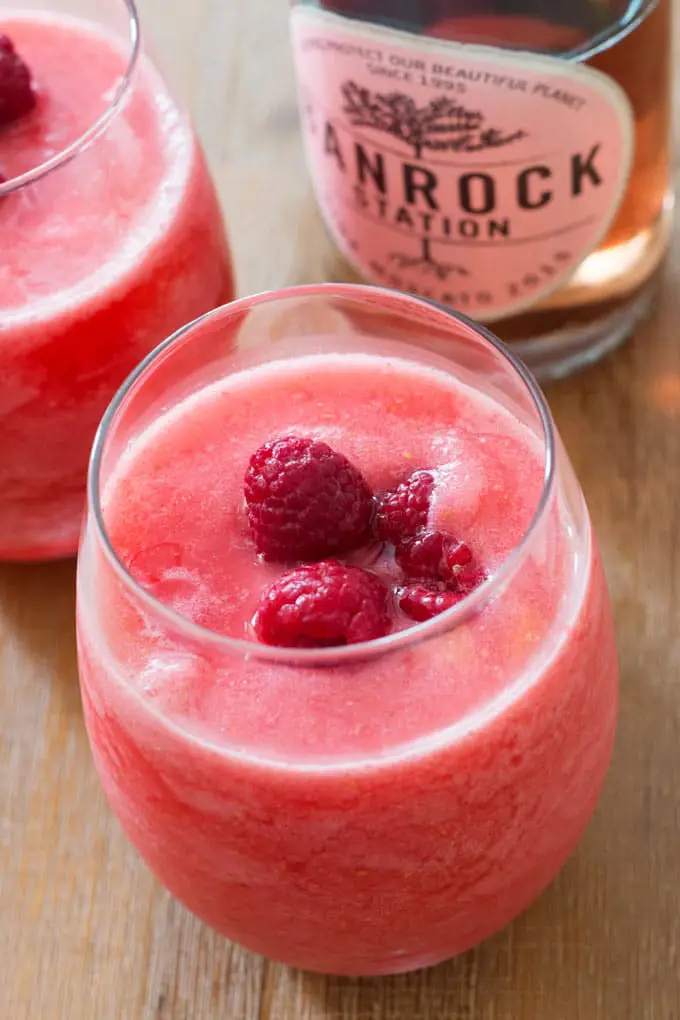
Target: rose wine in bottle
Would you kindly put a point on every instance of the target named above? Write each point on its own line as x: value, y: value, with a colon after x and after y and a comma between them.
x: 509, y: 158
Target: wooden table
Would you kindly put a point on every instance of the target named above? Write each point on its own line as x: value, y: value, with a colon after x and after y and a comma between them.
x: 87, y: 934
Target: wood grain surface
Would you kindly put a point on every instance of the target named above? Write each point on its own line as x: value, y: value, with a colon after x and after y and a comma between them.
x: 87, y: 934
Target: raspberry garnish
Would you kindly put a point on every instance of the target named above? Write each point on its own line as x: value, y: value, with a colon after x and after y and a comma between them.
x: 432, y: 555
x: 458, y: 555
x: 403, y: 511
x: 17, y: 97
x: 462, y: 568
x: 424, y: 601
x: 321, y: 605
x: 424, y: 556
x: 443, y: 570
x: 305, y: 501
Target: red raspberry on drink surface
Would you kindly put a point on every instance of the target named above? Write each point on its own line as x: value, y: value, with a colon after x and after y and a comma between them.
x: 439, y: 571
x: 462, y: 568
x: 424, y: 555
x: 322, y: 605
x: 458, y: 555
x: 17, y: 96
x: 432, y: 555
x: 424, y: 601
x: 305, y: 501
x: 402, y: 511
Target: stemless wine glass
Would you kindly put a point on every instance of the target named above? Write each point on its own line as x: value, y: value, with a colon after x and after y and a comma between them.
x: 363, y: 809
x: 111, y: 239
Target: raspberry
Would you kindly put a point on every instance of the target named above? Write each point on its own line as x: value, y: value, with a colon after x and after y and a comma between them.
x: 432, y: 555
x: 462, y: 568
x: 305, y: 501
x: 424, y: 556
x: 458, y: 555
x: 323, y: 604
x: 17, y: 97
x: 422, y: 602
x: 403, y: 511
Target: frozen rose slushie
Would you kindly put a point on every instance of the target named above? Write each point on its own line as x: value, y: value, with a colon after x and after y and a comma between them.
x: 363, y: 808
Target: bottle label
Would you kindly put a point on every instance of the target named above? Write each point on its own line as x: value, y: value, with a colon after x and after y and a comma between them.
x: 476, y: 176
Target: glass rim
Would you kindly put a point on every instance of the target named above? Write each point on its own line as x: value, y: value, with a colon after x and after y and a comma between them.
x: 334, y: 655
x: 98, y: 127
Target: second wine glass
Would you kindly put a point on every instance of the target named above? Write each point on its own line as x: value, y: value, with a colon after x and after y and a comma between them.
x: 112, y: 237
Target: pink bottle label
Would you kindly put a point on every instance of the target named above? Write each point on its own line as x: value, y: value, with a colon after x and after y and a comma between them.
x: 475, y: 176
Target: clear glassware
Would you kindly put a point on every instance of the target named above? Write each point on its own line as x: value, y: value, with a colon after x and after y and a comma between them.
x: 365, y: 809
x: 112, y: 238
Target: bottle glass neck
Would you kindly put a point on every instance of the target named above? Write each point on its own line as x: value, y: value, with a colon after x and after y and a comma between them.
x: 569, y: 28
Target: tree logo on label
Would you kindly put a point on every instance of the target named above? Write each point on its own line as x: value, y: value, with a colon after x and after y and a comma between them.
x: 426, y: 261
x: 443, y: 125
